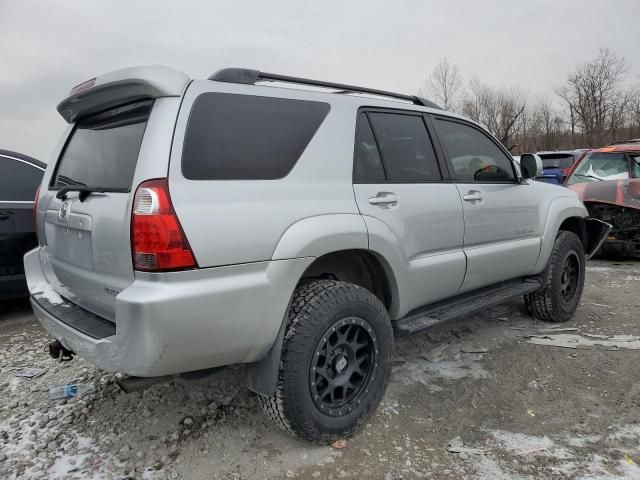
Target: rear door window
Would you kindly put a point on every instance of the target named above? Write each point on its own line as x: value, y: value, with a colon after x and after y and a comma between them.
x: 102, y: 151
x: 407, y: 152
x: 18, y: 180
x: 245, y: 137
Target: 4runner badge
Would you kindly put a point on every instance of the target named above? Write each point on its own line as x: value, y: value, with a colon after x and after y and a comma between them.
x: 64, y: 211
x: 111, y: 291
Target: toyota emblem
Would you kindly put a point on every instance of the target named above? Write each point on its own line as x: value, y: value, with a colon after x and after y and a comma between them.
x: 64, y: 211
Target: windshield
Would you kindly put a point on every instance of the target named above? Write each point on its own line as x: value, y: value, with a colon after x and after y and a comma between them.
x: 599, y: 166
x: 102, y: 151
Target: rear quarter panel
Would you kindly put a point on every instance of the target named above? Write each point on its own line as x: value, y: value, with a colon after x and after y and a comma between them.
x: 239, y: 221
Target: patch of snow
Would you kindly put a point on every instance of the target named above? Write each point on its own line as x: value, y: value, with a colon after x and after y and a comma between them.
x: 65, y: 465
x: 524, y: 445
x: 460, y: 366
x: 631, y: 432
x: 628, y: 342
x: 599, y: 269
x: 43, y: 290
x: 630, y: 470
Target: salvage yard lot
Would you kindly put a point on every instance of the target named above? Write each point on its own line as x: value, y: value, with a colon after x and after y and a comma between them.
x: 496, y: 395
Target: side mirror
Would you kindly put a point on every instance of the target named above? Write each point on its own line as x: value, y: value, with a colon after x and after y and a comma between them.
x: 530, y: 165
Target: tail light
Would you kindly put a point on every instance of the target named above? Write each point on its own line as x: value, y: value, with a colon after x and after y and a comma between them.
x: 158, y: 243
x: 35, y: 211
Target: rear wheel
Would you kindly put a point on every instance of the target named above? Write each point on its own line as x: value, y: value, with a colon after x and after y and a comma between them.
x: 335, y: 364
x: 558, y: 298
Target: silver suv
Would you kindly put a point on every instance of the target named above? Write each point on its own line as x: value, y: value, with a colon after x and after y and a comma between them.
x: 290, y: 225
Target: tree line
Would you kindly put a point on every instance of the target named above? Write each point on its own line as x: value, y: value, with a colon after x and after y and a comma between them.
x: 595, y: 106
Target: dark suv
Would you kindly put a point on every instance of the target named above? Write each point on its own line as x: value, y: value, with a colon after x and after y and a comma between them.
x: 20, y: 177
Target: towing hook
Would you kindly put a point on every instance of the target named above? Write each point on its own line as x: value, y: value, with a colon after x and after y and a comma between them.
x: 58, y: 352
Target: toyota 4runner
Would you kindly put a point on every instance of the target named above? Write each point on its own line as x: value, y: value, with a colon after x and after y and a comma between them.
x: 291, y: 225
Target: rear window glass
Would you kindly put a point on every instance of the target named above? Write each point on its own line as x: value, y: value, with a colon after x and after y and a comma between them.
x: 557, y: 161
x: 103, y: 149
x: 18, y: 180
x: 244, y: 137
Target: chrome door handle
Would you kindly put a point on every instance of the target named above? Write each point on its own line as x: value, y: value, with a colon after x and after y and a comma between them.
x: 472, y: 196
x: 384, y: 199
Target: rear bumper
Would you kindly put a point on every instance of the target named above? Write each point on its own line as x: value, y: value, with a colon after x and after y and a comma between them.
x: 181, y: 321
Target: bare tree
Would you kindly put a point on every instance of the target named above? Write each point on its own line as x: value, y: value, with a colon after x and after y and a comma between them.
x: 592, y: 94
x: 596, y: 106
x: 634, y: 112
x: 443, y: 85
x: 620, y: 114
x: 551, y: 123
x: 499, y: 110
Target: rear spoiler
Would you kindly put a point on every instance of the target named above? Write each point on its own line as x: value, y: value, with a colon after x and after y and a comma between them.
x: 120, y: 87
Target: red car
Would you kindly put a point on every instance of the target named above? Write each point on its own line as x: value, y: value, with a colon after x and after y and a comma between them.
x: 608, y: 182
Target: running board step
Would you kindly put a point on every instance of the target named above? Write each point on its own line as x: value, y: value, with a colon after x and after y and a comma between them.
x: 463, y: 305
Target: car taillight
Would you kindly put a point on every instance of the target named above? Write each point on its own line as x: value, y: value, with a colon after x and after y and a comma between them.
x: 35, y: 211
x: 158, y: 242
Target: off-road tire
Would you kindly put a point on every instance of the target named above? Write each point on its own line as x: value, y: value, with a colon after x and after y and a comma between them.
x: 548, y: 303
x: 315, y: 308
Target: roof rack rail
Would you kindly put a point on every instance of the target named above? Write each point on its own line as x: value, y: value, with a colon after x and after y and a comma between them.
x: 250, y: 77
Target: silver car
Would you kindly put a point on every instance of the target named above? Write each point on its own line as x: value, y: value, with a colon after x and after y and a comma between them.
x: 291, y: 225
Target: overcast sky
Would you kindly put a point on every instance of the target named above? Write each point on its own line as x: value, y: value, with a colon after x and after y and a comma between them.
x: 47, y: 47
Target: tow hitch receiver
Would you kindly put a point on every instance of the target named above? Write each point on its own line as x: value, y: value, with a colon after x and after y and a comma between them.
x: 58, y: 352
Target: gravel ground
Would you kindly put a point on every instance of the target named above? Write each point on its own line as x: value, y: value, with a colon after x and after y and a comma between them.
x: 470, y: 399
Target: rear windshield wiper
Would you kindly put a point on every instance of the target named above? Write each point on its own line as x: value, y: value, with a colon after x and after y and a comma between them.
x: 64, y: 180
x: 84, y: 192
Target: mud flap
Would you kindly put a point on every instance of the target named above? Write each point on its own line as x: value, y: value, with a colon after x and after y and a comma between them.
x: 597, y: 232
x: 262, y: 376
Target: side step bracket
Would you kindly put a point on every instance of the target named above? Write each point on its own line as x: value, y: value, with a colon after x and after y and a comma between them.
x: 463, y: 305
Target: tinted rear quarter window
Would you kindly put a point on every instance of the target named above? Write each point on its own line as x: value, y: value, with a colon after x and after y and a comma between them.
x: 18, y: 180
x: 245, y: 137
x: 368, y: 165
x: 103, y: 150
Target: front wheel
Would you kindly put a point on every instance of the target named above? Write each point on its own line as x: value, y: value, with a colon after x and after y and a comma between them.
x: 558, y: 298
x: 335, y: 364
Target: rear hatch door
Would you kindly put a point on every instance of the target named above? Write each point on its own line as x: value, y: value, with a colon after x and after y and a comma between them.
x: 85, y: 228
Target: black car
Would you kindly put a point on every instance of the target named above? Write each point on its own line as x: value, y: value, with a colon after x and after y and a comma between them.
x: 20, y: 177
